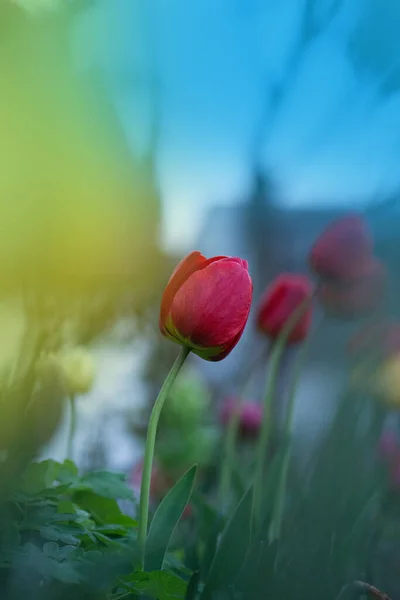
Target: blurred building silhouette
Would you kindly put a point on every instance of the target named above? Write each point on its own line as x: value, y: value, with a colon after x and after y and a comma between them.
x: 276, y: 239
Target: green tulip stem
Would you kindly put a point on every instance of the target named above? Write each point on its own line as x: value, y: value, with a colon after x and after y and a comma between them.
x: 149, y: 451
x: 72, y: 426
x: 275, y: 360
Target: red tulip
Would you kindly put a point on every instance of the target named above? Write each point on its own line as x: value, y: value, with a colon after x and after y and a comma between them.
x: 206, y: 304
x: 250, y: 415
x: 358, y: 297
x: 342, y: 251
x: 281, y: 299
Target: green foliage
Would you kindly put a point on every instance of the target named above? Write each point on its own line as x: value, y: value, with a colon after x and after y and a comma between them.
x: 232, y: 549
x: 57, y: 526
x: 166, y: 519
x: 157, y: 584
x: 187, y: 403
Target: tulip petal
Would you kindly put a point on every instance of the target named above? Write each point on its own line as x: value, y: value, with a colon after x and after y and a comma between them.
x: 191, y: 263
x: 281, y: 299
x: 212, y: 306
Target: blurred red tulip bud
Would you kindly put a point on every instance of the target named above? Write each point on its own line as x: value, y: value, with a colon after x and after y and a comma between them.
x: 342, y: 250
x: 358, y: 297
x: 284, y: 296
x: 206, y: 304
x: 250, y: 415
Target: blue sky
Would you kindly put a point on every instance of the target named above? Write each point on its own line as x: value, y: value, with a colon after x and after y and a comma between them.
x: 334, y: 137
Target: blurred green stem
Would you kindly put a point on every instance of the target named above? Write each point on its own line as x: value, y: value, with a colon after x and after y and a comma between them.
x: 149, y: 451
x: 275, y: 360
x: 72, y: 426
x: 276, y: 521
x: 230, y: 440
x: 229, y: 455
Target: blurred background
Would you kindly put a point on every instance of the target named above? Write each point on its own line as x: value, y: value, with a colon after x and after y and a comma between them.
x: 134, y: 131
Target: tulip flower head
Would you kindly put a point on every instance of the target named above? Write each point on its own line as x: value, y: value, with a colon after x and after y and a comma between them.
x: 250, y: 416
x: 282, y: 298
x: 341, y: 252
x: 206, y: 304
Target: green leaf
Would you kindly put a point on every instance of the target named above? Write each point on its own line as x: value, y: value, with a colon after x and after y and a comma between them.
x: 68, y: 473
x: 52, y: 550
x: 66, y: 507
x: 232, y: 549
x: 56, y: 534
x: 104, y: 510
x: 158, y: 585
x: 31, y: 558
x: 106, y: 540
x: 165, y: 520
x: 39, y: 476
x: 106, y: 484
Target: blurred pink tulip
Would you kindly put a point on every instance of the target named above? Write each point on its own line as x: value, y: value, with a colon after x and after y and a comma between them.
x: 342, y: 250
x: 388, y: 446
x: 250, y: 415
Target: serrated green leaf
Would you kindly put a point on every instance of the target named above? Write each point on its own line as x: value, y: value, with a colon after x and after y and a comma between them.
x: 52, y: 549
x: 66, y: 507
x: 104, y: 510
x: 106, y: 484
x: 106, y: 540
x: 158, y: 585
x: 31, y: 558
x: 68, y: 473
x: 166, y: 519
x: 39, y: 476
x: 232, y: 549
x: 56, y: 534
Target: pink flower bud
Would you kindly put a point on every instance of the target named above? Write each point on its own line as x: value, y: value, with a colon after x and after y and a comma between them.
x: 250, y: 415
